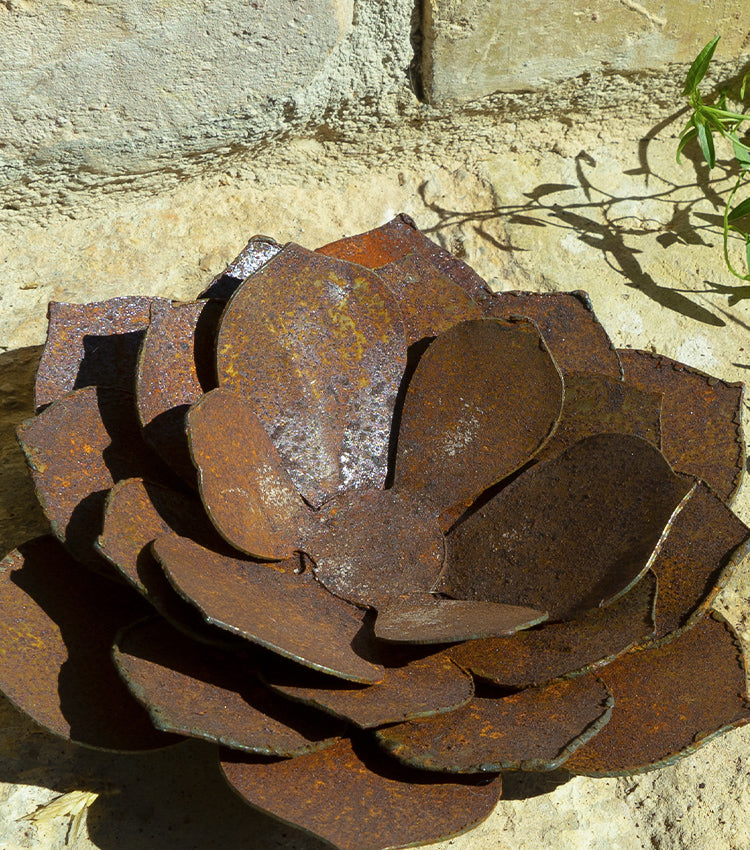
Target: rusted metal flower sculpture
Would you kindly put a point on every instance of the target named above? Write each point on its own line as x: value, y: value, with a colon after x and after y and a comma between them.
x: 378, y: 533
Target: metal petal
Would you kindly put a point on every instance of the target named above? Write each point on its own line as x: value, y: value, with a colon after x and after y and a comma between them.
x: 427, y: 619
x: 281, y: 610
x: 669, y: 701
x: 595, y: 404
x: 535, y: 729
x: 567, y: 324
x: 258, y: 251
x: 247, y: 492
x: 77, y: 448
x: 202, y: 692
x: 317, y: 347
x: 175, y: 367
x: 136, y: 513
x: 92, y: 345
x: 483, y: 399
x: 57, y: 624
x: 395, y: 240
x: 701, y: 418
x: 415, y: 687
x: 353, y: 797
x: 535, y: 656
x: 571, y: 532
x: 369, y: 546
x: 430, y: 302
x: 705, y: 541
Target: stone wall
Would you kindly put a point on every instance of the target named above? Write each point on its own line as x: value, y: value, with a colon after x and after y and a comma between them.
x: 141, y: 144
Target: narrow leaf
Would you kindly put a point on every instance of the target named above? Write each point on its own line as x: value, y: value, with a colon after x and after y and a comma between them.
x: 741, y: 210
x: 706, y: 141
x: 699, y: 67
x: 689, y: 133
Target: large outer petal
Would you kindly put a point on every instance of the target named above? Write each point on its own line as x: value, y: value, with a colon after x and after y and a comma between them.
x: 360, y: 800
x: 317, y: 346
x: 57, y: 624
x: 701, y: 418
x: 669, y: 700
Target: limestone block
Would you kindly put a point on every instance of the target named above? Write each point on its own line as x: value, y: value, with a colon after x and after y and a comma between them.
x: 476, y: 47
x: 73, y: 72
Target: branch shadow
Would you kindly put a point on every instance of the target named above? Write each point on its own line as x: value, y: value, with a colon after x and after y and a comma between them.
x: 594, y: 216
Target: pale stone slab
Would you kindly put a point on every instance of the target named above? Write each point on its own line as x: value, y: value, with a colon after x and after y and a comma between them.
x: 474, y: 48
x: 79, y: 74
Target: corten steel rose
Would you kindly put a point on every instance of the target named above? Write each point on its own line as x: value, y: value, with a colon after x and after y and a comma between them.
x: 379, y: 534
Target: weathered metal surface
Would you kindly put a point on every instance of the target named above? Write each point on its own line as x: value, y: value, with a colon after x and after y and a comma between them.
x: 76, y: 449
x: 483, y: 399
x: 595, y: 404
x: 695, y: 561
x: 554, y: 649
x: 271, y: 606
x: 136, y: 513
x: 700, y: 418
x: 317, y: 347
x: 57, y: 624
x: 92, y: 345
x: 200, y: 692
x: 395, y: 240
x: 369, y: 546
x: 427, y: 619
x: 535, y: 729
x: 568, y: 325
x: 258, y: 251
x: 430, y: 302
x: 244, y: 486
x: 669, y: 701
x: 417, y: 687
x: 352, y: 797
x: 569, y: 533
x: 175, y: 367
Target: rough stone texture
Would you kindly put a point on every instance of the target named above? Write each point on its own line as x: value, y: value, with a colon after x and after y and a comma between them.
x: 473, y: 48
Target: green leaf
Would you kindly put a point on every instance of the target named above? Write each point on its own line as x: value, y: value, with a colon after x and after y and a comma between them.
x: 700, y: 65
x: 740, y: 211
x: 706, y: 141
x: 688, y: 134
x: 747, y: 252
x: 741, y: 152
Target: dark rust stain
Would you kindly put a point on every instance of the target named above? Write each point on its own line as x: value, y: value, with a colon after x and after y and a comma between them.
x: 595, y: 404
x: 369, y: 546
